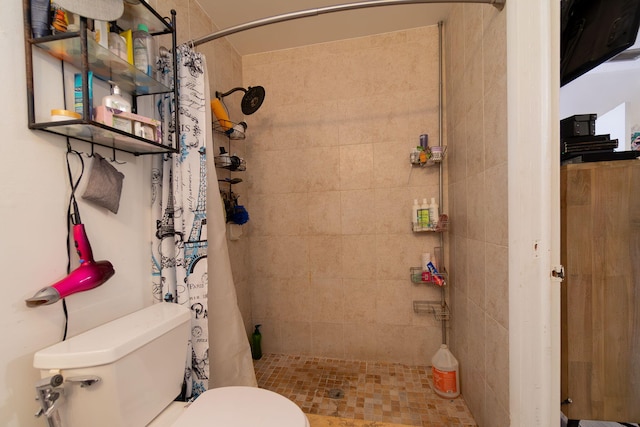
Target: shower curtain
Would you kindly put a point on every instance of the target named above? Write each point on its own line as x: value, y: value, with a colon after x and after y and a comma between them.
x: 180, y: 248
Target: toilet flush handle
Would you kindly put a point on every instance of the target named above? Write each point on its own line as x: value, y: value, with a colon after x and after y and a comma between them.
x: 84, y: 380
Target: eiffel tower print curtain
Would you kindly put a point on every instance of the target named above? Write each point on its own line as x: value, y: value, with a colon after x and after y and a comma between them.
x: 179, y: 197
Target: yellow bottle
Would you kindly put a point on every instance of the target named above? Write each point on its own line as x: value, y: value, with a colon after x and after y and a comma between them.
x: 221, y: 114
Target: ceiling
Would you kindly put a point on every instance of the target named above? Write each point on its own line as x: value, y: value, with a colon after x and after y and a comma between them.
x: 315, y: 29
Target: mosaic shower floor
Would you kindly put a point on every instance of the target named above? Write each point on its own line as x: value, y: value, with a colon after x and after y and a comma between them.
x: 371, y: 391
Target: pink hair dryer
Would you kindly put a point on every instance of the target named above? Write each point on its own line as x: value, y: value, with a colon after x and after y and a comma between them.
x: 90, y: 274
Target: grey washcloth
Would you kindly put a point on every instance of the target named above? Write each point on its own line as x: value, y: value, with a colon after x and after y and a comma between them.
x: 105, y: 184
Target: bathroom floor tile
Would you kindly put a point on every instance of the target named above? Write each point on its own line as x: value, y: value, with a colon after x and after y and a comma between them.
x: 370, y: 391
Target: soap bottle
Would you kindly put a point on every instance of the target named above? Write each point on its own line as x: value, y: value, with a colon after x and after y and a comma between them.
x: 256, y: 338
x: 116, y: 101
x: 433, y: 213
x: 423, y: 213
x: 414, y: 215
x: 143, y: 50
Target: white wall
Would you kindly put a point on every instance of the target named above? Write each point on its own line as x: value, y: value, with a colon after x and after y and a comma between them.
x: 33, y: 207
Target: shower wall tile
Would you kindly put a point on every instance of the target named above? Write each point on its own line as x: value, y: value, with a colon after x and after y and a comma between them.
x: 325, y: 257
x: 472, y: 81
x: 474, y: 137
x: 476, y: 258
x: 356, y: 166
x: 497, y: 360
x: 279, y: 257
x: 358, y: 256
x: 357, y: 215
x: 293, y: 300
x: 295, y: 337
x: 324, y: 213
x: 327, y: 302
x: 497, y: 283
x: 392, y: 306
x: 497, y: 211
x: 320, y: 167
x: 477, y: 206
x: 327, y: 339
x: 362, y: 341
x: 476, y: 340
x: 279, y: 214
x: 494, y: 49
x: 360, y: 301
x: 495, y: 127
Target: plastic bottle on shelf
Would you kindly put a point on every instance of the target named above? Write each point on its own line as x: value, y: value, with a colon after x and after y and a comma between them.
x: 446, y: 378
x: 144, y: 52
x: 423, y: 215
x: 237, y: 132
x: 425, y: 260
x: 414, y: 215
x: 434, y: 213
x: 116, y: 101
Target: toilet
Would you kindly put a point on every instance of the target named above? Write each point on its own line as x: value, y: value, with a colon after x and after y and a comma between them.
x: 129, y: 371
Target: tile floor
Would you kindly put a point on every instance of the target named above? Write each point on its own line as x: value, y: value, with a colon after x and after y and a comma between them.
x: 372, y: 391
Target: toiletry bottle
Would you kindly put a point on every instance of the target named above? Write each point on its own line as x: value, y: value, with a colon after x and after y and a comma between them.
x: 143, y: 50
x: 118, y: 45
x: 423, y: 214
x: 237, y: 132
x: 433, y: 213
x: 256, y: 338
x: 425, y: 260
x: 116, y: 101
x: 414, y: 215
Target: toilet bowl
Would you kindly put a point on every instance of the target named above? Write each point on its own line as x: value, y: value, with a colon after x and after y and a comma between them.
x: 234, y: 406
x: 128, y: 372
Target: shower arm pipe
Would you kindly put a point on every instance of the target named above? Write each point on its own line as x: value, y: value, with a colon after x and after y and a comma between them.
x: 499, y: 4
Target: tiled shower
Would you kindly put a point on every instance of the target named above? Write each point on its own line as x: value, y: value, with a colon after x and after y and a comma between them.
x: 323, y: 263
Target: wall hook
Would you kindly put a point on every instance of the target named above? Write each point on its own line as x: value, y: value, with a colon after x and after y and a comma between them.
x: 113, y: 159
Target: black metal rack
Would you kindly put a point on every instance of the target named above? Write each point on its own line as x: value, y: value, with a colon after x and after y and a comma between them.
x: 82, y: 52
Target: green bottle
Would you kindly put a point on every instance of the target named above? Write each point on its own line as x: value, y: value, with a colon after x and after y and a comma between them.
x: 256, y: 351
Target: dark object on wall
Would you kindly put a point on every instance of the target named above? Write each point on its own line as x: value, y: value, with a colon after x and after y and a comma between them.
x: 252, y: 99
x: 594, y: 31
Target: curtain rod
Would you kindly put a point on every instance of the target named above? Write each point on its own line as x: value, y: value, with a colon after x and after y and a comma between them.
x: 499, y: 4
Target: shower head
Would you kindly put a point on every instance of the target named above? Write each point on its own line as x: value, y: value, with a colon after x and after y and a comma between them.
x: 252, y: 99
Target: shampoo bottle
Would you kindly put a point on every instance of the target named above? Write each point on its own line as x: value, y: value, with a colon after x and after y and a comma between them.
x: 423, y: 222
x: 143, y: 50
x: 256, y: 338
x: 433, y: 213
x: 414, y: 215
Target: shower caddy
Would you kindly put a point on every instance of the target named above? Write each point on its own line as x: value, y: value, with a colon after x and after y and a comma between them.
x: 439, y: 309
x: 88, y: 57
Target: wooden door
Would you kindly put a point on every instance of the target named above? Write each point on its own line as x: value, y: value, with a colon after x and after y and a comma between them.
x: 600, y: 205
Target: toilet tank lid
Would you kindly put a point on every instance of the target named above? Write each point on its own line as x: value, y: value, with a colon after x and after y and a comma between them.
x: 113, y: 340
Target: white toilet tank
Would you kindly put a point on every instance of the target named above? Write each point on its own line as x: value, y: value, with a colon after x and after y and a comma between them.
x: 140, y: 359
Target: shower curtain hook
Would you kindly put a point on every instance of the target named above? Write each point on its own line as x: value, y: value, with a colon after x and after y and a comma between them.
x: 92, y: 154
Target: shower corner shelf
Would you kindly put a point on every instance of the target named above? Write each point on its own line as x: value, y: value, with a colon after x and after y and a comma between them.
x: 441, y: 227
x: 439, y: 309
x: 231, y: 133
x: 416, y: 277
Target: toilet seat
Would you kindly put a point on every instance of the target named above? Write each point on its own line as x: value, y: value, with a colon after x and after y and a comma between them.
x: 239, y: 406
